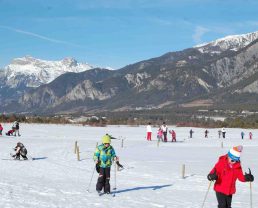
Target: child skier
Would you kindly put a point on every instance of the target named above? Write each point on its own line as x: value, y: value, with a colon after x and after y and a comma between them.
x: 250, y: 135
x: 103, y: 157
x: 1, y: 129
x: 10, y: 132
x: 20, y: 151
x: 149, y: 131
x: 173, y: 134
x: 160, y: 134
x: 225, y: 172
x: 206, y: 133
x: 191, y: 133
x: 17, y: 129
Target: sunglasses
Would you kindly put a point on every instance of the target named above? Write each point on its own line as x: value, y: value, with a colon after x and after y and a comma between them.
x: 233, y: 161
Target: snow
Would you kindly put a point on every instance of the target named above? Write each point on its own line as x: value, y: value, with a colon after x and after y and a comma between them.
x: 152, y: 174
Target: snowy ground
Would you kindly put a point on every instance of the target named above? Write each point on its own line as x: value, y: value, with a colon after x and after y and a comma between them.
x: 151, y: 178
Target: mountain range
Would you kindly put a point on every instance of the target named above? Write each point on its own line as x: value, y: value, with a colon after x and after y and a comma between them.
x: 222, y: 72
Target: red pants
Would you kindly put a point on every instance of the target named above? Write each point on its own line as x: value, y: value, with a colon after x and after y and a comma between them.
x: 149, y: 136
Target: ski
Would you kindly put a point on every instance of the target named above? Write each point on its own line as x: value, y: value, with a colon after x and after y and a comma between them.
x: 102, y: 194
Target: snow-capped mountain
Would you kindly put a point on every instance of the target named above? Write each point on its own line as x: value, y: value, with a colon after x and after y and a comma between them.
x: 232, y: 42
x: 222, y: 72
x: 32, y: 72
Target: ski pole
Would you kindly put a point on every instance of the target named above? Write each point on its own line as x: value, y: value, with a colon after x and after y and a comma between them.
x: 251, y: 200
x: 88, y: 190
x: 115, y: 177
x: 206, y: 194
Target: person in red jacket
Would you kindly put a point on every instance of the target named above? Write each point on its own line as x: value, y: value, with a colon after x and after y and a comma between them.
x: 173, y: 134
x: 1, y: 129
x: 225, y: 172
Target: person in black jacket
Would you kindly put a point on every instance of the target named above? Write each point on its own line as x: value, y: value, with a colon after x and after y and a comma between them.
x: 20, y: 151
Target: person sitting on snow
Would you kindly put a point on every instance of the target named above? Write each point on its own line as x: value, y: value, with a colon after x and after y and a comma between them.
x: 226, y: 171
x: 10, y: 132
x: 20, y: 151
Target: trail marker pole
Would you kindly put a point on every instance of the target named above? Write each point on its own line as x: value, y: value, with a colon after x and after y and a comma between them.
x: 78, y: 153
x: 75, y: 147
x: 183, y: 171
x: 122, y: 143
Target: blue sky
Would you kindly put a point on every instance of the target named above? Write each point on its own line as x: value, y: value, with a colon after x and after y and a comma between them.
x: 116, y: 33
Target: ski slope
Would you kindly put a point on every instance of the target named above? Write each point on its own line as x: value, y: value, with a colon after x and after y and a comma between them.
x: 152, y: 177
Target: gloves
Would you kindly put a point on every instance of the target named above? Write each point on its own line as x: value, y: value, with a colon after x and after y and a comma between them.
x: 212, y: 176
x: 249, y: 177
x: 97, y: 168
x: 119, y: 165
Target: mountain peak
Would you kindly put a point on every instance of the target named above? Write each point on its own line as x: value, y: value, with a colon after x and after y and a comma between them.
x: 70, y: 62
x: 231, y: 42
x: 37, y: 71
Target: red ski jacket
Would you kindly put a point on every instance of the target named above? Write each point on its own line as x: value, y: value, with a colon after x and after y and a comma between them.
x: 227, y: 175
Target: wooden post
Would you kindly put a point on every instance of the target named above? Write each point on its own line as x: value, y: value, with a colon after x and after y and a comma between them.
x: 78, y: 153
x: 75, y: 147
x: 221, y: 144
x: 183, y: 171
x: 122, y: 143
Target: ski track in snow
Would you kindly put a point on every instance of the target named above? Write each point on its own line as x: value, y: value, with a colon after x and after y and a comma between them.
x: 151, y: 176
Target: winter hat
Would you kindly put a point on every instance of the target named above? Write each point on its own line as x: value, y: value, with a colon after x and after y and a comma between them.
x: 234, y: 153
x: 106, y: 139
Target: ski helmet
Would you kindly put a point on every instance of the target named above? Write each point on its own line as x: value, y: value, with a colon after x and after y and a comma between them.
x: 106, y: 139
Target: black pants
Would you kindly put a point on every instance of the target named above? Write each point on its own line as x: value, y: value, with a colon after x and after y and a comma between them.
x: 17, y: 156
x: 103, y: 180
x: 165, y: 136
x: 224, y: 134
x: 224, y: 201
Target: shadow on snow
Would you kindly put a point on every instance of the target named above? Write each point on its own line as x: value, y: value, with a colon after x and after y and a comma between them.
x: 39, y: 158
x: 142, y: 188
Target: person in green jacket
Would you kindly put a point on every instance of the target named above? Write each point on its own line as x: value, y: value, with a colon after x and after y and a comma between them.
x: 103, y: 157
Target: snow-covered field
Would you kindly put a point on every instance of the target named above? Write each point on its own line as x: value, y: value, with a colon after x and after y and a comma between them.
x: 152, y: 176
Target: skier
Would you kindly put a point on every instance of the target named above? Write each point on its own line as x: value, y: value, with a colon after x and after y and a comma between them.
x: 173, y: 134
x: 225, y: 172
x: 17, y: 127
x: 223, y: 130
x: 149, y: 132
x: 250, y: 135
x: 165, y: 131
x: 219, y: 132
x: 206, y: 133
x: 191, y: 133
x: 20, y: 151
x: 160, y: 134
x: 242, y: 134
x: 1, y: 129
x: 103, y: 157
x: 10, y: 132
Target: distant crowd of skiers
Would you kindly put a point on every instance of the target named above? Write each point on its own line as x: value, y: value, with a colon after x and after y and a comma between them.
x: 163, y: 131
